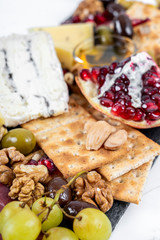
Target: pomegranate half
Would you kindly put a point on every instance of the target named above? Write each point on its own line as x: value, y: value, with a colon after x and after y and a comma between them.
x: 128, y: 91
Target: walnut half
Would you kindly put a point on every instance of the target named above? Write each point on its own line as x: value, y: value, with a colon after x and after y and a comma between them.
x: 6, y: 175
x: 94, y: 189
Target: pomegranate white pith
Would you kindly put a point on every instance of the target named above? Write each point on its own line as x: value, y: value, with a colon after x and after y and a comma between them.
x: 128, y: 91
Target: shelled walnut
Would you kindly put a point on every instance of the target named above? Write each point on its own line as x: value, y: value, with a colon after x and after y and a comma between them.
x: 93, y: 189
x: 10, y: 155
x: 26, y: 190
x: 6, y: 175
x: 88, y: 7
x: 27, y: 185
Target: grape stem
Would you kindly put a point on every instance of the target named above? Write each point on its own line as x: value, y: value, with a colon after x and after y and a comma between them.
x: 57, y: 196
x: 66, y: 214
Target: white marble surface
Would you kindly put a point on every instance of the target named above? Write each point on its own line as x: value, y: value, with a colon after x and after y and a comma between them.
x: 140, y: 222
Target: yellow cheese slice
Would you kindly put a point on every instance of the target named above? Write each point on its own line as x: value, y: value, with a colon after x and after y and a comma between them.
x: 66, y: 37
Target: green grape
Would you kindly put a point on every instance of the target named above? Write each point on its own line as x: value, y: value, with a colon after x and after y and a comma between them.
x: 60, y: 233
x: 92, y: 224
x: 10, y: 210
x: 55, y: 216
x: 23, y: 225
x: 21, y: 138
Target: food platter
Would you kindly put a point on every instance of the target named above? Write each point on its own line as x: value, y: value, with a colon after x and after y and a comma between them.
x: 121, y: 205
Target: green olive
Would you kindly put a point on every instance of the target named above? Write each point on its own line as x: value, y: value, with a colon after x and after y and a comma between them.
x: 22, y: 139
x: 104, y: 35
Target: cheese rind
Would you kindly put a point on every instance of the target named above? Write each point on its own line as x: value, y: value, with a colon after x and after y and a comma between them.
x: 31, y: 79
x: 66, y: 37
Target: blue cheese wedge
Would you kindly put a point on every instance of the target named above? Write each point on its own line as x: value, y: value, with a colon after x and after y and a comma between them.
x: 31, y: 79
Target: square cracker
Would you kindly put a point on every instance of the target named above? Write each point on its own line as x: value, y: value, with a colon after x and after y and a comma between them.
x: 136, y: 151
x: 129, y: 186
x: 63, y: 139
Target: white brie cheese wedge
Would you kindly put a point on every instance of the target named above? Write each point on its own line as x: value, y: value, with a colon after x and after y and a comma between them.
x: 31, y: 79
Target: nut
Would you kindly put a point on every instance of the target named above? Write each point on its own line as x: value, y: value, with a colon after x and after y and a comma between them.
x: 6, y: 175
x: 93, y: 189
x: 26, y: 190
x: 69, y: 78
x: 38, y: 173
x: 3, y: 157
x: 116, y: 140
x: 88, y: 7
x: 97, y: 134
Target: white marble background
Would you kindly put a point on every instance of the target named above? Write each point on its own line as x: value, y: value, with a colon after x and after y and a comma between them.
x: 140, y: 222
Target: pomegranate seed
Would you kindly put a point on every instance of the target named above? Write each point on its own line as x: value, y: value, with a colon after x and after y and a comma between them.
x: 149, y: 82
x: 118, y: 81
x: 156, y: 97
x: 85, y: 74
x: 145, y: 97
x: 109, y: 94
x: 113, y: 67
x: 99, y: 19
x: 95, y: 72
x: 106, y: 102
x: 101, y: 80
x: 117, y: 109
x: 136, y: 22
x: 150, y: 90
x: 129, y: 113
x: 153, y: 116
x: 149, y: 106
x: 32, y: 162
x: 48, y: 163
x: 119, y: 95
x: 76, y: 19
x: 104, y: 70
x: 90, y: 18
x: 139, y: 115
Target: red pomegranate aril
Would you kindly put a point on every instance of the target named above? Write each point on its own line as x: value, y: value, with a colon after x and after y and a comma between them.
x: 48, y: 163
x: 99, y: 19
x: 90, y: 18
x: 149, y: 82
x: 136, y: 22
x: 150, y: 90
x: 109, y: 94
x: 95, y: 72
x: 129, y: 113
x: 156, y: 97
x: 85, y: 74
x: 32, y: 162
x: 149, y: 106
x: 113, y: 67
x: 104, y: 70
x: 76, y: 19
x: 118, y: 109
x: 118, y: 81
x: 106, y: 102
x: 144, y: 98
x: 139, y: 115
x: 119, y: 95
x: 101, y: 80
x: 153, y: 116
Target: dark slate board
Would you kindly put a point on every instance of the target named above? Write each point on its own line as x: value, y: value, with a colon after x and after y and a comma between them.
x: 119, y: 208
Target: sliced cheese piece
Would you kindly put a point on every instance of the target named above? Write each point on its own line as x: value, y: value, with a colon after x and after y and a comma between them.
x: 66, y: 37
x: 31, y: 79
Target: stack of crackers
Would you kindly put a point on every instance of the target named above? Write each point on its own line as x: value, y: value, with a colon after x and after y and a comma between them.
x: 63, y: 139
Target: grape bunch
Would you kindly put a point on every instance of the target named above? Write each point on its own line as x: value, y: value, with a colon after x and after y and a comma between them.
x: 18, y: 221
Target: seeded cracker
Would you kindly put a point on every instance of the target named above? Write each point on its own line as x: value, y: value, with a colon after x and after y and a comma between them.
x: 129, y: 186
x: 63, y: 139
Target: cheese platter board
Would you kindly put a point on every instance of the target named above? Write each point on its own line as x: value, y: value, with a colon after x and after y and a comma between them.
x: 90, y: 144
